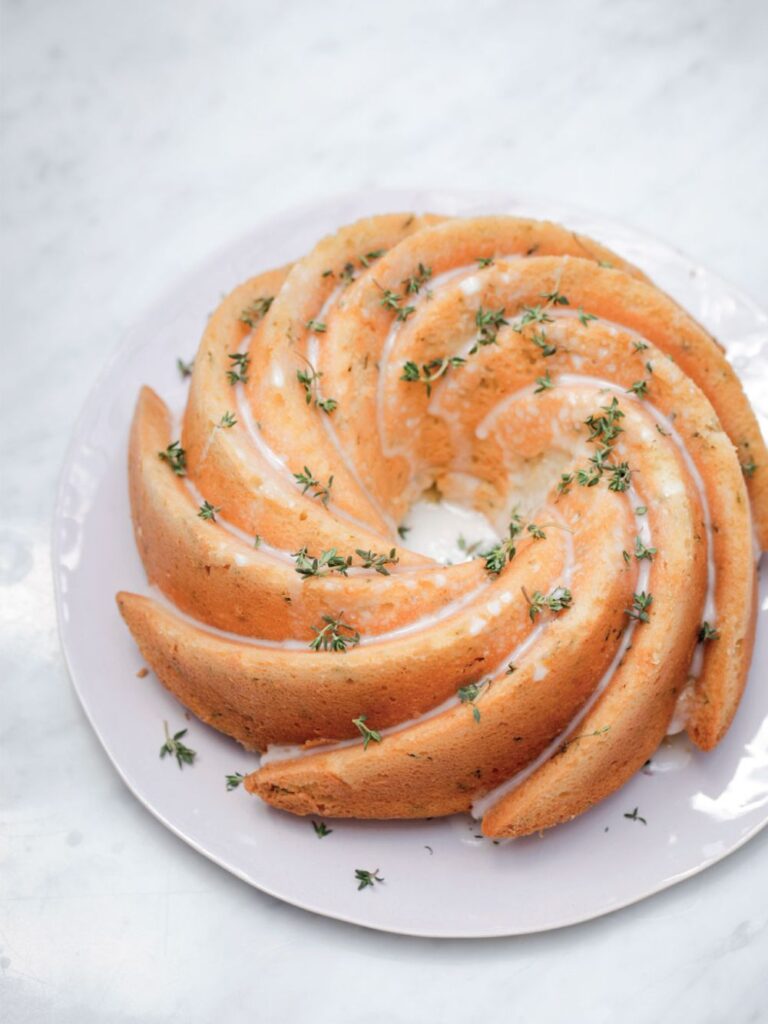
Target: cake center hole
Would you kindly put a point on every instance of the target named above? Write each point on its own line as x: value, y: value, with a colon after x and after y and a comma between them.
x: 448, y: 532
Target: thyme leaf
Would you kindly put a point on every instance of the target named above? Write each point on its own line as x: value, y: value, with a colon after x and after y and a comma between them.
x: 369, y: 735
x: 173, y: 747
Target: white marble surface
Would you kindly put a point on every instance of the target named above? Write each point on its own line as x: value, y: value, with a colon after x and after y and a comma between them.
x: 137, y: 138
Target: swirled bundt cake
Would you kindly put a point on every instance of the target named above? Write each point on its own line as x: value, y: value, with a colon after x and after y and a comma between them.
x: 507, y: 366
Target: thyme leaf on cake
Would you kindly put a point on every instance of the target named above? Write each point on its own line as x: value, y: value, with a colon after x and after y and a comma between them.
x: 539, y: 339
x: 372, y: 560
x: 468, y: 695
x: 309, y: 482
x: 430, y: 372
x: 641, y: 551
x: 585, y: 318
x: 707, y: 632
x: 309, y: 380
x: 176, y: 458
x: 556, y: 601
x: 555, y: 298
x: 335, y: 635
x: 749, y: 468
x: 392, y: 301
x: 238, y: 374
x: 416, y: 282
x: 640, y: 604
x: 257, y: 309
x: 488, y: 323
x: 639, y: 388
x: 316, y: 326
x: 227, y: 420
x: 369, y: 735
x: 369, y: 257
x: 327, y: 562
x: 234, y: 780
x: 532, y: 315
x: 173, y: 747
x: 208, y: 511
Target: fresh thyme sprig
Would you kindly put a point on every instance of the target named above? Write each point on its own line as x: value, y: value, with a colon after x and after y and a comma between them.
x: 208, y: 511
x: 372, y: 560
x: 488, y: 323
x: 556, y: 601
x: 532, y: 315
x: 585, y: 736
x: 603, y: 430
x: 316, y: 326
x: 308, y: 482
x: 321, y: 829
x: 502, y: 553
x: 309, y: 379
x: 369, y: 257
x: 555, y: 298
x: 484, y: 261
x: 185, y: 369
x: 416, y: 282
x: 634, y: 816
x: 543, y: 384
x: 391, y: 300
x: 240, y: 363
x: 328, y: 561
x: 539, y: 339
x: 536, y: 532
x: 173, y: 747
x: 639, y: 388
x: 257, y: 309
x: 606, y: 427
x: 585, y: 318
x: 641, y: 551
x: 227, y: 420
x: 640, y: 604
x: 430, y: 372
x: 176, y: 458
x: 707, y: 633
x: 621, y: 476
x: 233, y: 781
x: 367, y: 878
x: 369, y: 735
x: 335, y: 635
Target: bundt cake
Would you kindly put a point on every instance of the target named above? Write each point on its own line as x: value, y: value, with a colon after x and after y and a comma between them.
x: 506, y: 366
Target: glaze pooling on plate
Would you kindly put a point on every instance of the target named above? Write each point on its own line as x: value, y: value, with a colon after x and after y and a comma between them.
x: 465, y: 358
x: 707, y: 806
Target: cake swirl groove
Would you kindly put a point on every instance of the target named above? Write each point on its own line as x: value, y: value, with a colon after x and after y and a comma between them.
x: 506, y: 364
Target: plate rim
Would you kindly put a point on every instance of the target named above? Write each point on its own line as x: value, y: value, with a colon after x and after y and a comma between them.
x: 121, y: 350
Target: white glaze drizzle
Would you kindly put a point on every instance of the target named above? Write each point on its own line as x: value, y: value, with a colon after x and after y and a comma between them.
x: 484, y: 803
x: 277, y: 752
x: 313, y: 350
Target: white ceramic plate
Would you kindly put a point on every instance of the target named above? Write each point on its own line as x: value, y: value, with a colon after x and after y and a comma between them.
x: 440, y: 879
